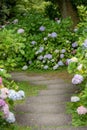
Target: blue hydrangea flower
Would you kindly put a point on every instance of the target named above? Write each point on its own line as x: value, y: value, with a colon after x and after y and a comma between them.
x: 33, y: 42
x: 60, y: 63
x: 61, y: 56
x: 63, y: 51
x: 77, y: 79
x: 41, y: 49
x: 74, y: 44
x: 85, y: 43
x: 54, y: 35
x: 48, y: 56
x: 42, y: 28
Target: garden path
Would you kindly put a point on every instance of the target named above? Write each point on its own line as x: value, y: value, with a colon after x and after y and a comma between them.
x: 47, y: 111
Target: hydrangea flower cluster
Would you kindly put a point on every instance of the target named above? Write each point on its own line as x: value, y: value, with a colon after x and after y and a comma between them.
x: 74, y: 45
x: 42, y: 28
x: 77, y: 79
x: 75, y: 99
x: 4, y: 106
x: 20, y: 31
x: 85, y: 43
x: 81, y: 110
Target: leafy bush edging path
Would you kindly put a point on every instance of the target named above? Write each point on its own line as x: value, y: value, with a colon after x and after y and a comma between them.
x: 47, y: 111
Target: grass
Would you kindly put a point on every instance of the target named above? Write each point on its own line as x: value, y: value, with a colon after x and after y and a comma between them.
x: 29, y: 89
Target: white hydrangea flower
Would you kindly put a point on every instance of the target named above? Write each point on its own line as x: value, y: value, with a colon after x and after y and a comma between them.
x: 10, y: 118
x: 21, y: 93
x: 12, y: 95
x: 40, y: 57
x: 63, y: 51
x: 52, y: 60
x: 55, y: 67
x: 49, y: 35
x: 15, y: 21
x: 30, y: 62
x: 46, y: 67
x: 56, y: 51
x: 44, y: 61
x: 80, y: 67
x: 37, y: 52
x: 75, y: 99
x: 74, y: 59
x: 1, y: 69
x: 20, y: 31
x: 75, y: 29
x: 45, y: 38
x: 25, y: 67
x: 58, y: 21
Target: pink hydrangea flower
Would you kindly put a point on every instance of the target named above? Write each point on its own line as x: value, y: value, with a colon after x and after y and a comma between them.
x: 5, y: 110
x: 0, y: 80
x: 81, y: 110
x: 4, y: 93
x: 2, y: 103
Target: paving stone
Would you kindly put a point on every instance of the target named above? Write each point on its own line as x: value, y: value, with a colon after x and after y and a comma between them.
x: 62, y: 86
x: 56, y: 92
x: 43, y: 119
x: 49, y: 99
x: 27, y: 78
x: 64, y: 128
x: 47, y: 82
x: 41, y: 108
x: 47, y: 110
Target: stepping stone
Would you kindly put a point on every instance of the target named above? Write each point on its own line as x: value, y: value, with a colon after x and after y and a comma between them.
x: 56, y: 92
x: 43, y: 119
x: 27, y: 78
x: 47, y: 82
x: 41, y: 108
x: 62, y: 86
x: 64, y: 128
x: 49, y: 99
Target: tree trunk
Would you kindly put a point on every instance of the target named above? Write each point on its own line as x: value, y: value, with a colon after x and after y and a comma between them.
x: 67, y: 10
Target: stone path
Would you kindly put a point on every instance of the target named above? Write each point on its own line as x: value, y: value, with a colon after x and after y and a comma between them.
x: 47, y: 111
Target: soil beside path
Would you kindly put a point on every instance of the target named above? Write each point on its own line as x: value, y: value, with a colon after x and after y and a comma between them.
x: 47, y: 111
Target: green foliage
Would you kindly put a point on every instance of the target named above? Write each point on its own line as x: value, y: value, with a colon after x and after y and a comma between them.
x: 20, y: 51
x: 11, y: 48
x: 6, y: 9
x: 80, y: 67
x: 52, y: 11
x: 82, y: 11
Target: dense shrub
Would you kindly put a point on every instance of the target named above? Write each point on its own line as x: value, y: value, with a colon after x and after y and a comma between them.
x: 78, y: 67
x: 35, y: 41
